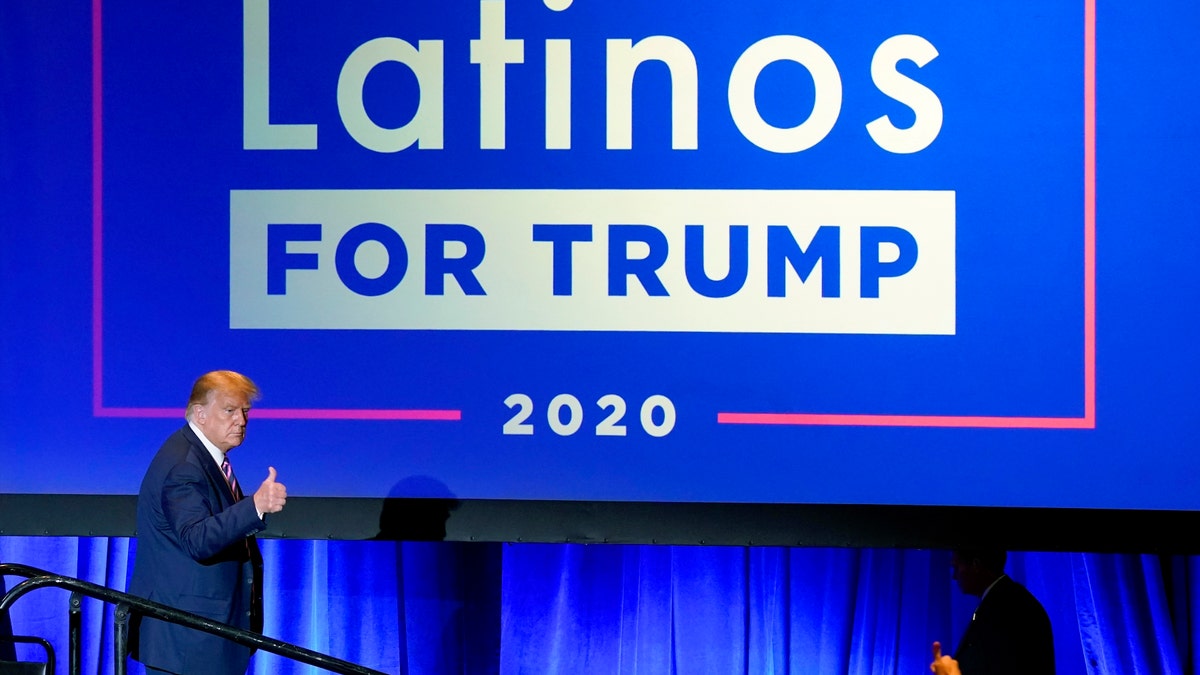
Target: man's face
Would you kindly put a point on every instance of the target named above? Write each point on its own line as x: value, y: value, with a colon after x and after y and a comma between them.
x: 223, y: 419
x: 968, y: 575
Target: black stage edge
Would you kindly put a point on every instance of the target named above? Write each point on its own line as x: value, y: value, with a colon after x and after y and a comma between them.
x: 485, y: 520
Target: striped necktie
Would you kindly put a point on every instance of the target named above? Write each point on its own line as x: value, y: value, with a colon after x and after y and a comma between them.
x: 227, y: 469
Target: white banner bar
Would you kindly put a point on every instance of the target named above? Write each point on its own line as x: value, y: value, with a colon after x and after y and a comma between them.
x: 730, y: 261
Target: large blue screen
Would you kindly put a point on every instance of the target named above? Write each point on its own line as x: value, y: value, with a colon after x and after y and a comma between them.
x: 928, y: 253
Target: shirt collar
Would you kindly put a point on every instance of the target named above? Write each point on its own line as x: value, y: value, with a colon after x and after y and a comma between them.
x: 214, y: 451
x: 991, y: 585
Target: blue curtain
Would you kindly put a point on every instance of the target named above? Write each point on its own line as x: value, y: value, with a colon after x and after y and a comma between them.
x: 616, y: 609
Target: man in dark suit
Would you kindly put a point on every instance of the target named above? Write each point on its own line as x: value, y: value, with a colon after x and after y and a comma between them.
x: 1009, y: 632
x: 195, y: 535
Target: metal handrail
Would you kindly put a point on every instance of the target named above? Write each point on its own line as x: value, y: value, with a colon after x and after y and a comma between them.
x: 126, y: 603
x: 31, y: 640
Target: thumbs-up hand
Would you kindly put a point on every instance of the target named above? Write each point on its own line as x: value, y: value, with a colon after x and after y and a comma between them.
x: 271, y: 495
x: 943, y: 665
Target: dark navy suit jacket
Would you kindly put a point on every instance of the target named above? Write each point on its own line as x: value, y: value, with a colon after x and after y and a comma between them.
x: 195, y: 552
x: 1009, y: 635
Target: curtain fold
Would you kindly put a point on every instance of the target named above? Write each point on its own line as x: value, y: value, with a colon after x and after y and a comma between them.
x: 489, y: 608
x: 1125, y: 623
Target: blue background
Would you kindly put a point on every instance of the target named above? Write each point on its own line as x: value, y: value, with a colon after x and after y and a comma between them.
x: 1010, y: 79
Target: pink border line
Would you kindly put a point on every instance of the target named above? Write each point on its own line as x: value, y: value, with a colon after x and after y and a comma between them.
x: 98, y: 407
x: 301, y: 414
x: 1088, y: 421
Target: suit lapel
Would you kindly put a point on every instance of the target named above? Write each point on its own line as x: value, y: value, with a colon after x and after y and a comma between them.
x: 216, y: 479
x: 981, y: 614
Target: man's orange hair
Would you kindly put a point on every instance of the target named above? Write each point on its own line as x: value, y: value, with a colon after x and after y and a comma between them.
x: 226, y: 381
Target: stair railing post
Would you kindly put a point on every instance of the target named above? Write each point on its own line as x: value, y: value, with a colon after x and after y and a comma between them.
x: 75, y: 623
x: 121, y: 638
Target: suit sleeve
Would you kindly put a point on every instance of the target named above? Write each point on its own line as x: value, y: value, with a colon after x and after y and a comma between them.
x: 194, y: 512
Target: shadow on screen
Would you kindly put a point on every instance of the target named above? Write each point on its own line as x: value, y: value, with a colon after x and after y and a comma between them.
x: 423, y: 518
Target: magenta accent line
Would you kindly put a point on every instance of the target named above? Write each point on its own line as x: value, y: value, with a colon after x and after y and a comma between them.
x: 298, y: 414
x: 812, y: 419
x: 1088, y: 421
x: 139, y: 413
x: 97, y: 211
x: 1089, y: 212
